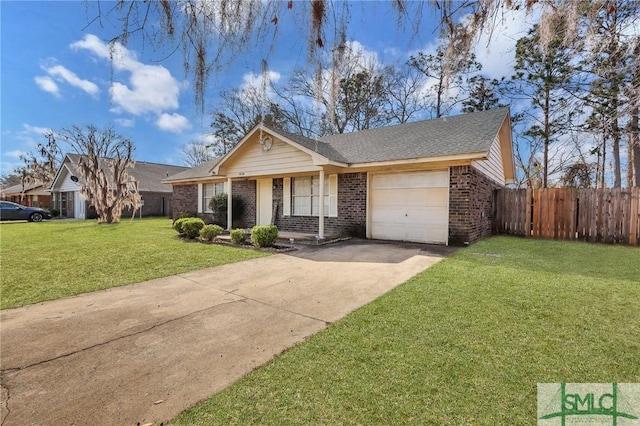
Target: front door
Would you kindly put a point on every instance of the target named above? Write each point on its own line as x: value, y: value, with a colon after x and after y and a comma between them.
x: 70, y: 211
x: 265, y: 201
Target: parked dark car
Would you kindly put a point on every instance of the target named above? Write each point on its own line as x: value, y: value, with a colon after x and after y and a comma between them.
x: 13, y: 211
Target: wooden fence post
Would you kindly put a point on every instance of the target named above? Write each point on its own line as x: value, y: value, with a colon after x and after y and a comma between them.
x: 635, y: 216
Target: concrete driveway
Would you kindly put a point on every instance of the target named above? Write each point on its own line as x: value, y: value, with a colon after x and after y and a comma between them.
x: 145, y: 352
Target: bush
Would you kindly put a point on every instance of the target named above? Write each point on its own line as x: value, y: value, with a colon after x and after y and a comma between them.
x: 55, y: 212
x: 238, y: 236
x: 185, y: 214
x: 209, y: 232
x: 191, y: 226
x: 177, y: 224
x: 218, y: 205
x: 264, y: 235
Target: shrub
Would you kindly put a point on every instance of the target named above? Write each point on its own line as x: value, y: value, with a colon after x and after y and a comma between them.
x: 264, y: 235
x: 185, y: 214
x: 55, y: 212
x: 177, y: 224
x: 191, y: 227
x: 209, y: 232
x: 218, y: 205
x: 238, y: 236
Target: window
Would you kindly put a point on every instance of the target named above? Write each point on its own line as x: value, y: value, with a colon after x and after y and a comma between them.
x: 306, y: 196
x: 209, y: 190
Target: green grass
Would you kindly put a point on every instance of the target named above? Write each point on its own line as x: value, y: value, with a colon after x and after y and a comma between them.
x: 49, y: 260
x: 464, y: 342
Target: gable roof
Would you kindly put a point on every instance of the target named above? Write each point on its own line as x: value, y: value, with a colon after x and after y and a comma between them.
x: 467, y: 136
x: 148, y: 175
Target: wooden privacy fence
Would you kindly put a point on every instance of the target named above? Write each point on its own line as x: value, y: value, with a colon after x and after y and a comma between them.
x: 595, y: 215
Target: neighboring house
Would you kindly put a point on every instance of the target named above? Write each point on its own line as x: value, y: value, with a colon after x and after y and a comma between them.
x: 156, y: 195
x: 430, y: 181
x: 31, y: 195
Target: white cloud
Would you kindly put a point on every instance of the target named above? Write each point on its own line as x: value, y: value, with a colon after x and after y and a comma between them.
x: 48, y: 85
x: 15, y: 154
x: 35, y: 129
x: 496, y: 50
x: 125, y: 122
x: 63, y: 74
x: 253, y: 80
x: 174, y: 123
x: 150, y: 89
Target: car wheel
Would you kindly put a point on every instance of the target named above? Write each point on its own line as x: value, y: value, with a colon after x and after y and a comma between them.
x: 36, y: 217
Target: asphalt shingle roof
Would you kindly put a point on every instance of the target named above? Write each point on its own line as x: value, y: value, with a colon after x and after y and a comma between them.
x: 460, y: 134
x: 148, y: 175
x: 19, y: 189
x: 199, y: 171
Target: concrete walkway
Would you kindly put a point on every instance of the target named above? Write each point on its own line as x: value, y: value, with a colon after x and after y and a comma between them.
x: 145, y: 352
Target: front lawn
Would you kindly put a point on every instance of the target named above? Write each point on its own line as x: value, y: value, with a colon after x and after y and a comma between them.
x: 49, y: 260
x: 464, y: 342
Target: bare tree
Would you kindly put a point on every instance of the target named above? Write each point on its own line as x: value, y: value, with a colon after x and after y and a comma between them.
x: 238, y: 111
x: 42, y: 164
x: 449, y: 75
x: 196, y: 152
x: 406, y: 100
x: 10, y: 179
x: 104, y: 164
x: 210, y: 32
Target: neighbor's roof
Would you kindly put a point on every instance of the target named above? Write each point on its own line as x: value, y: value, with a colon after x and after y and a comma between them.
x: 148, y: 175
x: 19, y: 189
x: 460, y: 134
x: 200, y: 171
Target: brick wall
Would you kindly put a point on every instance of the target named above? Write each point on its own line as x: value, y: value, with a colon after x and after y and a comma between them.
x: 470, y: 205
x: 184, y: 199
x: 155, y: 204
x: 352, y: 209
x: 247, y: 190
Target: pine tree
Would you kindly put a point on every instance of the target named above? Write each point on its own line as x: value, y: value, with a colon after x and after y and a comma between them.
x: 541, y: 78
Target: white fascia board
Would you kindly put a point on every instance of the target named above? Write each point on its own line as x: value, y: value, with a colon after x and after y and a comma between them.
x: 483, y: 155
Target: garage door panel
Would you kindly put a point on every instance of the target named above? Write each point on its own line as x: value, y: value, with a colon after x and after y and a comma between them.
x: 389, y: 231
x: 437, y: 179
x: 426, y: 216
x: 388, y: 215
x: 410, y: 206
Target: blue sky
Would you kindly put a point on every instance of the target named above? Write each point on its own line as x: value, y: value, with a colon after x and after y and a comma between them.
x: 55, y: 73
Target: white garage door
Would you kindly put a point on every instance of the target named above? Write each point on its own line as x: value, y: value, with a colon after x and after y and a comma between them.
x: 410, y: 206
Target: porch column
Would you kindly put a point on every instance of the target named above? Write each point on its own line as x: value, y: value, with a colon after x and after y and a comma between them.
x: 229, y: 204
x: 321, y: 206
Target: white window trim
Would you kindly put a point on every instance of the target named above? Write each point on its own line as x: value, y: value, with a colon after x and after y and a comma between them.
x: 202, y: 206
x: 331, y: 197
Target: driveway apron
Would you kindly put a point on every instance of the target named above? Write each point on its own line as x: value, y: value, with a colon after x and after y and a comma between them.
x: 145, y: 352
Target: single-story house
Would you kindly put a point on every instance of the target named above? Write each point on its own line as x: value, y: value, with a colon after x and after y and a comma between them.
x: 156, y: 195
x: 429, y: 181
x: 30, y: 195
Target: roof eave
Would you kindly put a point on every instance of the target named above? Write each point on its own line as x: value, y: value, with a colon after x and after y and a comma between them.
x: 482, y: 155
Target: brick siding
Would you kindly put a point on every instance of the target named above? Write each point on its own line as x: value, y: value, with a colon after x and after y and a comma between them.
x: 471, y: 196
x: 352, y: 209
x: 184, y: 199
x: 247, y: 190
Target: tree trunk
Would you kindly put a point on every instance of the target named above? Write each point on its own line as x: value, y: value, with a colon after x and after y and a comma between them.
x: 547, y: 136
x: 617, y: 174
